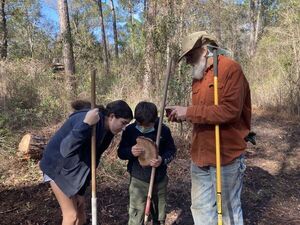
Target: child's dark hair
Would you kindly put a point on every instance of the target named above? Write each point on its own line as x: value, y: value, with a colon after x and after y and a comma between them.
x: 119, y: 108
x: 145, y: 112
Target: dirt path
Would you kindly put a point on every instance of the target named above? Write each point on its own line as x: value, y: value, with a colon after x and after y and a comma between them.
x: 271, y: 193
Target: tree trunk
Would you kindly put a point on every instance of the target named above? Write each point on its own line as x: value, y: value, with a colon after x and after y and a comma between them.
x: 181, y: 77
x: 132, y: 36
x: 3, y: 31
x: 296, y: 65
x: 149, y: 49
x: 3, y: 86
x: 218, y: 20
x: 145, y: 10
x: 252, y: 28
x: 257, y: 26
x: 255, y: 14
x: 115, y: 29
x: 106, y: 60
x: 68, y: 54
x: 29, y: 30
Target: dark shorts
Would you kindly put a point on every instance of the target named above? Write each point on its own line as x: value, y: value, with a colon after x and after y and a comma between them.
x: 82, y: 190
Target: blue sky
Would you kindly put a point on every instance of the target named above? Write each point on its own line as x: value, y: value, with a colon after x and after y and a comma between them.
x: 51, y: 17
x: 48, y: 11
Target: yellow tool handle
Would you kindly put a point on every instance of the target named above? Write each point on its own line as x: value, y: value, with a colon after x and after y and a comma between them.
x: 217, y: 137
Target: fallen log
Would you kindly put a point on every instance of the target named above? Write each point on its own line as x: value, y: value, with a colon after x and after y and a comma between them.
x: 31, y: 146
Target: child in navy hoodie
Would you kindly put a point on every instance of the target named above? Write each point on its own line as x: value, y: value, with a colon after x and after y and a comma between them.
x: 146, y: 125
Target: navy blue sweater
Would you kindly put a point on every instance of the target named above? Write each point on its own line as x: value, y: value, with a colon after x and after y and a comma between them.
x: 67, y: 156
x: 167, y: 151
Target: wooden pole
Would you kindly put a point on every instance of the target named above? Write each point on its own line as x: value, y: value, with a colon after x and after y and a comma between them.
x: 162, y: 107
x: 93, y: 149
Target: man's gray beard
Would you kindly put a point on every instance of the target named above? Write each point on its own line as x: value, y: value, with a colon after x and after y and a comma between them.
x: 199, y: 69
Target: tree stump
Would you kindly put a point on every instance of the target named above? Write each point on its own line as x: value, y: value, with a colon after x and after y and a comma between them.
x: 31, y: 146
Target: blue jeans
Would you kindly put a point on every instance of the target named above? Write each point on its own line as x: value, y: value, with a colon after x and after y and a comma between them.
x: 204, y: 208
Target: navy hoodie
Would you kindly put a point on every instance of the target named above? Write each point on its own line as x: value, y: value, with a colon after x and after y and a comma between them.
x: 67, y: 156
x: 167, y: 151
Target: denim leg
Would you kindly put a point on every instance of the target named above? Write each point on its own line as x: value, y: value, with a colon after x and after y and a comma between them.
x: 203, y: 197
x: 232, y: 182
x: 203, y: 207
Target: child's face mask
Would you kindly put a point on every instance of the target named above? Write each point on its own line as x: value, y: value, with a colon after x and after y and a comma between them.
x: 144, y: 130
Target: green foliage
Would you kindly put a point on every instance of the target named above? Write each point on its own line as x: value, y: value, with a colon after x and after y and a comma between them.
x: 114, y: 168
x: 7, y: 138
x: 180, y: 86
x: 34, y: 96
x: 276, y: 62
x: 30, y: 100
x: 27, y: 35
x: 23, y: 93
x: 4, y: 119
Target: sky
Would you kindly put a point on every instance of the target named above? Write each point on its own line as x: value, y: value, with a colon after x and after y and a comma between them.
x: 49, y: 10
x: 50, y: 16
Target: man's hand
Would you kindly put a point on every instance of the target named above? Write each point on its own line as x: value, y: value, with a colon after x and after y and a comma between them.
x: 178, y: 113
x: 92, y: 117
x: 156, y: 162
x: 137, y: 151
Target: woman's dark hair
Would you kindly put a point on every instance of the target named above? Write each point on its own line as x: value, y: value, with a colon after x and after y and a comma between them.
x: 80, y: 104
x: 145, y: 112
x: 120, y: 109
x: 84, y: 104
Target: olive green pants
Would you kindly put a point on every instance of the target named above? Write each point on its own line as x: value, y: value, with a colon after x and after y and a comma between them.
x: 138, y: 191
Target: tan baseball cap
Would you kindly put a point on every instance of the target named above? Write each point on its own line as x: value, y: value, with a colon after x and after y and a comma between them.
x: 195, y: 40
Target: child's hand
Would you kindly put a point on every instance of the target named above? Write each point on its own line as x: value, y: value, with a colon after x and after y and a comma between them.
x: 136, y: 151
x: 92, y: 117
x: 156, y: 162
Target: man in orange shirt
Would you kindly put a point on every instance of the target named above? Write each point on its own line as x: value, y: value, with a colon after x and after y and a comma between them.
x: 233, y: 114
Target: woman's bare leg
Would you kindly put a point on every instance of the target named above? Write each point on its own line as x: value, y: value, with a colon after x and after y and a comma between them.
x: 68, y: 206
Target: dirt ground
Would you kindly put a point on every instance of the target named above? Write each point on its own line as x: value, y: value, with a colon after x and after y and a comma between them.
x: 271, y: 193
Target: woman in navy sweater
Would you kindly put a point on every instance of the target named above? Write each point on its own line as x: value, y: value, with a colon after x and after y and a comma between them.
x: 66, y: 161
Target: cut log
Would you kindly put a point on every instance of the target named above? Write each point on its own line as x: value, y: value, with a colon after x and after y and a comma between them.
x: 31, y: 146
